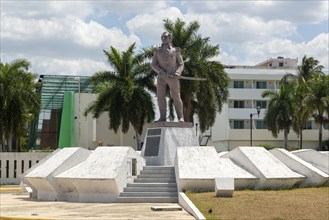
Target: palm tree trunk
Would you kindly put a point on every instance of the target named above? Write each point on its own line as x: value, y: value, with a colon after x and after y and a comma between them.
x: 138, y: 140
x: 285, y: 133
x: 301, y: 139
x: 320, y: 136
x: 2, y: 143
x: 187, y: 108
x: 10, y: 142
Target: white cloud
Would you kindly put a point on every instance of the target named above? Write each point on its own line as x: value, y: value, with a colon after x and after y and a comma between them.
x: 258, y: 52
x: 69, y: 36
x: 125, y: 7
x: 237, y: 28
x: 293, y: 11
x: 150, y: 26
x: 61, y: 37
x: 46, y: 9
x: 66, y: 66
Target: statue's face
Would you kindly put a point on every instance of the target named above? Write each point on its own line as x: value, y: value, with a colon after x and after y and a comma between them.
x: 166, y: 38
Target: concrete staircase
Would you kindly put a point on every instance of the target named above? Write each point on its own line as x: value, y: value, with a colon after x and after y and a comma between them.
x: 155, y: 184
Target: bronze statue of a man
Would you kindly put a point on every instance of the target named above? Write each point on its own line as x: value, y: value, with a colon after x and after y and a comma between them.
x: 167, y: 62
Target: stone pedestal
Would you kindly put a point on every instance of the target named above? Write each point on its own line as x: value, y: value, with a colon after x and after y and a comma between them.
x: 162, y: 140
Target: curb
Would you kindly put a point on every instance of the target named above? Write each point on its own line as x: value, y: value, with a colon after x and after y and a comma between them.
x: 13, y: 189
x: 23, y: 218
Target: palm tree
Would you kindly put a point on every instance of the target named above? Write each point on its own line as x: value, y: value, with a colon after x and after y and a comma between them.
x: 306, y: 71
x: 309, y: 68
x: 203, y: 98
x: 19, y: 101
x: 280, y: 110
x: 123, y: 91
x: 301, y: 112
x: 316, y: 99
x: 326, y: 99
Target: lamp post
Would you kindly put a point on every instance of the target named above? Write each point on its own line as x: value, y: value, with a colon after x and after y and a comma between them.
x: 252, y: 114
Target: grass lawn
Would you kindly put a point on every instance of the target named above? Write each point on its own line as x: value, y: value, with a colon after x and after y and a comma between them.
x: 306, y: 203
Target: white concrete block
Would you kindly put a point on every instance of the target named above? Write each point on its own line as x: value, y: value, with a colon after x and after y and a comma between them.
x: 314, y: 176
x: 220, y: 154
x: 315, y: 158
x: 224, y: 186
x: 41, y: 177
x: 272, y: 173
x: 243, y: 179
x: 196, y: 168
x: 101, y: 177
x: 169, y: 138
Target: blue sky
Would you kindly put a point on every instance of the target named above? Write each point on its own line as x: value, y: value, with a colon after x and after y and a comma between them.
x: 68, y: 37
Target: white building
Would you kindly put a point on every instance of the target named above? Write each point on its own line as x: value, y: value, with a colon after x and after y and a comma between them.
x: 279, y: 62
x: 232, y: 126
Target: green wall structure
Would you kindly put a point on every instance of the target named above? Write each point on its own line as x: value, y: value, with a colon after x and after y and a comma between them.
x: 66, y: 135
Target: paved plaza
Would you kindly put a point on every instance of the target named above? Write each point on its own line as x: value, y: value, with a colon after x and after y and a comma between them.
x: 16, y: 204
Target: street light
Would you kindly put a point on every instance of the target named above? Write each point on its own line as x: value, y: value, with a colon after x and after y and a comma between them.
x: 252, y: 114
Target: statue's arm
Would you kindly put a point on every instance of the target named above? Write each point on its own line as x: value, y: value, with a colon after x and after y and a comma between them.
x: 180, y: 62
x: 155, y: 64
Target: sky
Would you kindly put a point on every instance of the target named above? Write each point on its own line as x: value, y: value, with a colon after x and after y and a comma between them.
x: 68, y: 37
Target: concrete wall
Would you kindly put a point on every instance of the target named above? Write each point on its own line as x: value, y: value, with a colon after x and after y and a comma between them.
x: 12, y: 165
x: 90, y: 132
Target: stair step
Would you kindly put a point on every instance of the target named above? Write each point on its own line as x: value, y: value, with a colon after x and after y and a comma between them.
x: 148, y: 199
x: 169, y: 185
x: 154, y: 184
x: 148, y: 194
x: 158, y: 168
x: 161, y: 175
x: 157, y: 171
x: 155, y: 180
x: 150, y: 189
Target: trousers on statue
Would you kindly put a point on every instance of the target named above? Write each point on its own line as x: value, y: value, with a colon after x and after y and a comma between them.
x: 174, y: 86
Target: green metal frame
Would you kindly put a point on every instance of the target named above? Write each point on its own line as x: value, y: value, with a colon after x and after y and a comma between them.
x: 52, y: 90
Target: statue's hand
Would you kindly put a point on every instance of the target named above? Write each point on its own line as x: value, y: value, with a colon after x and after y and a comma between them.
x: 176, y: 75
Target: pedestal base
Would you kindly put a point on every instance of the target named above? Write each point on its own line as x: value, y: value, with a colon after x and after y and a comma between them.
x: 162, y: 140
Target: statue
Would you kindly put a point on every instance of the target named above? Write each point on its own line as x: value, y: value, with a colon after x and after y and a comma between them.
x: 168, y: 63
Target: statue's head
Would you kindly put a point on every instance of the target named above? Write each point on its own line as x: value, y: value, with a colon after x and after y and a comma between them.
x: 166, y: 37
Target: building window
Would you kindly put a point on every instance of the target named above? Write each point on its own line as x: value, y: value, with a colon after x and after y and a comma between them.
x: 308, y: 125
x: 326, y: 126
x: 260, y: 124
x: 262, y: 104
x: 238, y: 84
x: 281, y: 64
x: 261, y: 85
x: 238, y: 124
x: 238, y: 104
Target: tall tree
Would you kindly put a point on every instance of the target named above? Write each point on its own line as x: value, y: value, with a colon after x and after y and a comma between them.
x: 278, y: 116
x: 301, y: 112
x: 123, y: 92
x: 203, y: 98
x: 19, y: 101
x: 316, y: 99
x: 309, y: 68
